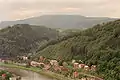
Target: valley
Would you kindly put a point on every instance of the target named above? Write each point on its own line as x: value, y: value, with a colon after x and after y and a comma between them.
x: 93, y: 53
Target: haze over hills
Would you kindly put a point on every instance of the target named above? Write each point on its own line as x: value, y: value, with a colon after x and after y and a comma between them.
x: 60, y: 21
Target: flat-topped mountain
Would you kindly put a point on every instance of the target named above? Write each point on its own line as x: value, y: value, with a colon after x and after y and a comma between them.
x: 60, y: 21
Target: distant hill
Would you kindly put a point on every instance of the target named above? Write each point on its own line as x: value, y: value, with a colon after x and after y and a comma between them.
x: 22, y: 39
x: 60, y: 21
x: 99, y: 46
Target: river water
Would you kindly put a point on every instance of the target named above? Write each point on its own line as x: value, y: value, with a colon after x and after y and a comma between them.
x: 27, y: 75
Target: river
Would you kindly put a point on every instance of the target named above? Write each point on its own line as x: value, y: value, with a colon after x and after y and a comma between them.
x: 27, y: 75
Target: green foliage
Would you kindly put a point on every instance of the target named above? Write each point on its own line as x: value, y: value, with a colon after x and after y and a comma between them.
x: 8, y: 74
x: 21, y: 39
x: 99, y: 46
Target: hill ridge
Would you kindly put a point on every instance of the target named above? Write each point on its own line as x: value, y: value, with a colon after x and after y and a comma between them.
x: 99, y: 46
x: 60, y: 21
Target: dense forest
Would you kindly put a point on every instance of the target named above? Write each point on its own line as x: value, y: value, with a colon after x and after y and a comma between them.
x: 99, y: 46
x: 22, y: 39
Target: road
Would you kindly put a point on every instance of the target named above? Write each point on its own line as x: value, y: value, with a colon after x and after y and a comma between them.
x: 27, y: 75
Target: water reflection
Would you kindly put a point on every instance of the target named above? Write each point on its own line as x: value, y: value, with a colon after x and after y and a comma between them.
x: 27, y: 75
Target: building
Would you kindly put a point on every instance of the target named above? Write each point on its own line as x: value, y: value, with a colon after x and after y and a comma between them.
x: 41, y: 58
x: 24, y: 58
x: 54, y: 62
x: 81, y: 66
x: 87, y: 68
x: 73, y: 61
x: 75, y: 74
x: 47, y: 66
x: 76, y: 65
x: 35, y: 64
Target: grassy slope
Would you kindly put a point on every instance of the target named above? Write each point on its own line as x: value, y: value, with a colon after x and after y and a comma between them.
x: 63, y: 49
x: 99, y: 37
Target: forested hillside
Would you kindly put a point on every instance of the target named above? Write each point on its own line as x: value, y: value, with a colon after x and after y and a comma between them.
x: 99, y: 45
x: 22, y: 39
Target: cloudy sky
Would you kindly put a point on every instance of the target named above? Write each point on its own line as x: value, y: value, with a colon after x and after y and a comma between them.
x: 20, y: 9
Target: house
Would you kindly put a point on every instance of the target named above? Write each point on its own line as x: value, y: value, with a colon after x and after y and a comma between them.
x: 81, y: 66
x: 80, y: 61
x: 24, y: 58
x: 47, y: 67
x: 87, y: 68
x: 54, y: 62
x: 4, y: 76
x: 64, y: 69
x: 35, y: 64
x: 41, y: 58
x: 75, y: 74
x: 57, y: 69
x: 73, y: 61
x: 76, y: 65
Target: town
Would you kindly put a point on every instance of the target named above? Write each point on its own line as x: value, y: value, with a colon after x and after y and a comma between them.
x: 74, y: 69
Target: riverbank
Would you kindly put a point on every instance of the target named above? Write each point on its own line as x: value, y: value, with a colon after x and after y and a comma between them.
x: 39, y: 71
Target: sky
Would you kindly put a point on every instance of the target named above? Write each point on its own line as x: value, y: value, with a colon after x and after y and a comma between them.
x: 21, y: 9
